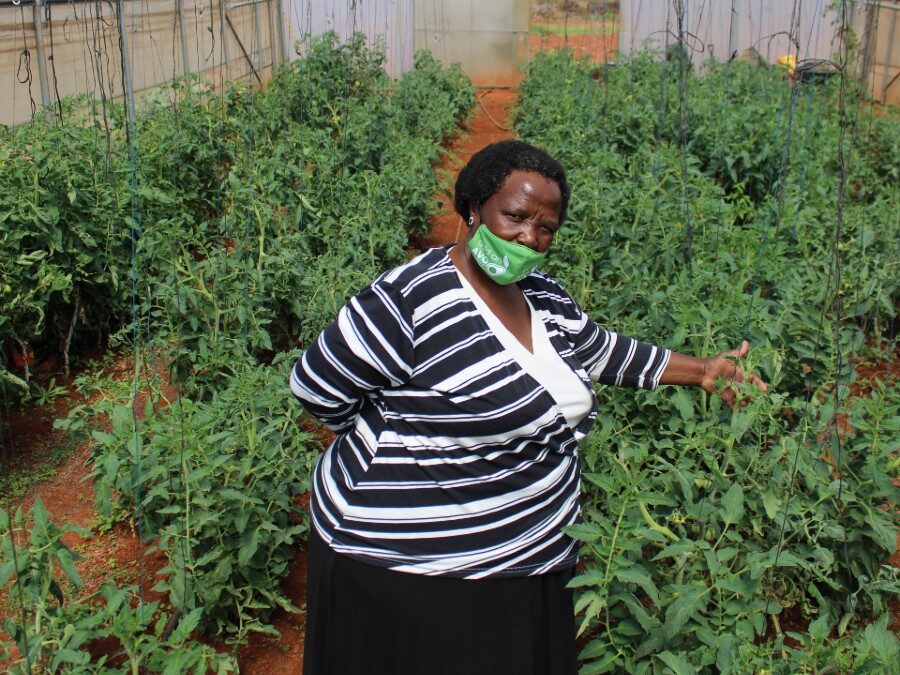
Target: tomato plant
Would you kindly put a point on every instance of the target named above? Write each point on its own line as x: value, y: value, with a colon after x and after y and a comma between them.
x: 704, y: 528
x: 256, y: 214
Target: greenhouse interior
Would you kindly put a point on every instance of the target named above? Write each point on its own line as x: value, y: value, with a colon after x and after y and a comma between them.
x: 276, y: 400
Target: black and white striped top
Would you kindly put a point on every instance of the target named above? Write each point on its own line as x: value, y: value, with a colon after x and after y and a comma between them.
x: 450, y: 459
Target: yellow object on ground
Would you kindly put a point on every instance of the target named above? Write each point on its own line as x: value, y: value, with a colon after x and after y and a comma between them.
x: 789, y: 62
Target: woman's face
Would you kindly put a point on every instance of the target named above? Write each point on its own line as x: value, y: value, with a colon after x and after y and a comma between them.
x: 525, y: 210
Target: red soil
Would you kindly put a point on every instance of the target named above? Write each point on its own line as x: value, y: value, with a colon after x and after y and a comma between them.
x: 595, y: 47
x: 69, y: 496
x: 271, y: 655
x: 489, y: 124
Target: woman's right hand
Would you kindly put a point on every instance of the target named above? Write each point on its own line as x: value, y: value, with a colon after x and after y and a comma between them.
x: 724, y: 365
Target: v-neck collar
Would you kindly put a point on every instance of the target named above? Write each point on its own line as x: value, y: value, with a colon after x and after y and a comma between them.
x: 500, y: 331
x: 586, y: 424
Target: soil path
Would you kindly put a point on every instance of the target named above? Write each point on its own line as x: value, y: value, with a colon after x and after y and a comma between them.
x: 490, y: 123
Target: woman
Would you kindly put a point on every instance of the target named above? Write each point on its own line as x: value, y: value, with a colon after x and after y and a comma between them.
x: 459, y: 385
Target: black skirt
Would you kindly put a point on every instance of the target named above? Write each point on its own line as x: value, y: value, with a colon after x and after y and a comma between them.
x: 362, y: 619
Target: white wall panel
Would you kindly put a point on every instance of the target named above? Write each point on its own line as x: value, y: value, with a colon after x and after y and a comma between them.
x: 81, y: 43
x: 762, y: 24
x: 387, y: 20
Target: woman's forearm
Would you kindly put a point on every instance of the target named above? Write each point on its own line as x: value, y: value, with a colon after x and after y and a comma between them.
x: 708, y: 374
x: 684, y: 370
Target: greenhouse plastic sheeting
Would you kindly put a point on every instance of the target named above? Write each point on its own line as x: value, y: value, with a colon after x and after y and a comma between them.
x: 489, y: 39
x: 761, y: 24
x: 390, y: 21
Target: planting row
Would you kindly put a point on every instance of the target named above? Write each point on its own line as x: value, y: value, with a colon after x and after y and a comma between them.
x: 254, y: 215
x: 697, y: 221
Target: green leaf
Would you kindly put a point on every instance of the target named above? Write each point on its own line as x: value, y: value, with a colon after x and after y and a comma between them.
x: 725, y: 656
x: 605, y: 658
x: 682, y: 400
x: 740, y: 422
x: 727, y: 553
x: 68, y: 566
x: 681, y: 610
x: 584, y: 532
x: 712, y: 562
x: 818, y: 630
x: 639, y: 612
x: 187, y: 625
x: 249, y: 545
x: 7, y: 570
x: 677, y: 662
x: 592, y: 577
x: 594, y: 649
x: 882, y: 531
x: 584, y: 600
x: 883, y: 643
x: 65, y: 655
x: 175, y: 664
x: 39, y: 513
x: 771, y: 503
x: 678, y: 548
x: 733, y: 504
x: 637, y: 575
x: 606, y: 483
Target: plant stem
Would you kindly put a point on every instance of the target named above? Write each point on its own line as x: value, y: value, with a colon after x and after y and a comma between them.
x: 662, y: 529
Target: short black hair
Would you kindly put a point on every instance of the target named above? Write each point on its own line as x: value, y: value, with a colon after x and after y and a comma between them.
x: 485, y: 172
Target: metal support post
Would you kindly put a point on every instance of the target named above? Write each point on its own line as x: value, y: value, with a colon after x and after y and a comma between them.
x: 279, y: 24
x: 868, y: 46
x: 405, y: 41
x: 223, y: 17
x: 257, y: 36
x: 182, y: 37
x: 273, y: 49
x: 127, y: 82
x: 735, y: 28
x: 39, y: 51
x: 888, y: 54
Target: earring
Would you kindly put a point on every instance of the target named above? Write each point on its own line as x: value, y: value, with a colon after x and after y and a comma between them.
x: 471, y: 220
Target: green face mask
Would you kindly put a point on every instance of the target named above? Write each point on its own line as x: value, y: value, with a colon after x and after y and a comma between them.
x: 503, y: 261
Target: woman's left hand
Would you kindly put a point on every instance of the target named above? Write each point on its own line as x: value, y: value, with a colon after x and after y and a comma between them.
x: 724, y: 366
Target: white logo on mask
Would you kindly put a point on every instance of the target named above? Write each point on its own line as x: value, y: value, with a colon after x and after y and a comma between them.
x: 491, y: 263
